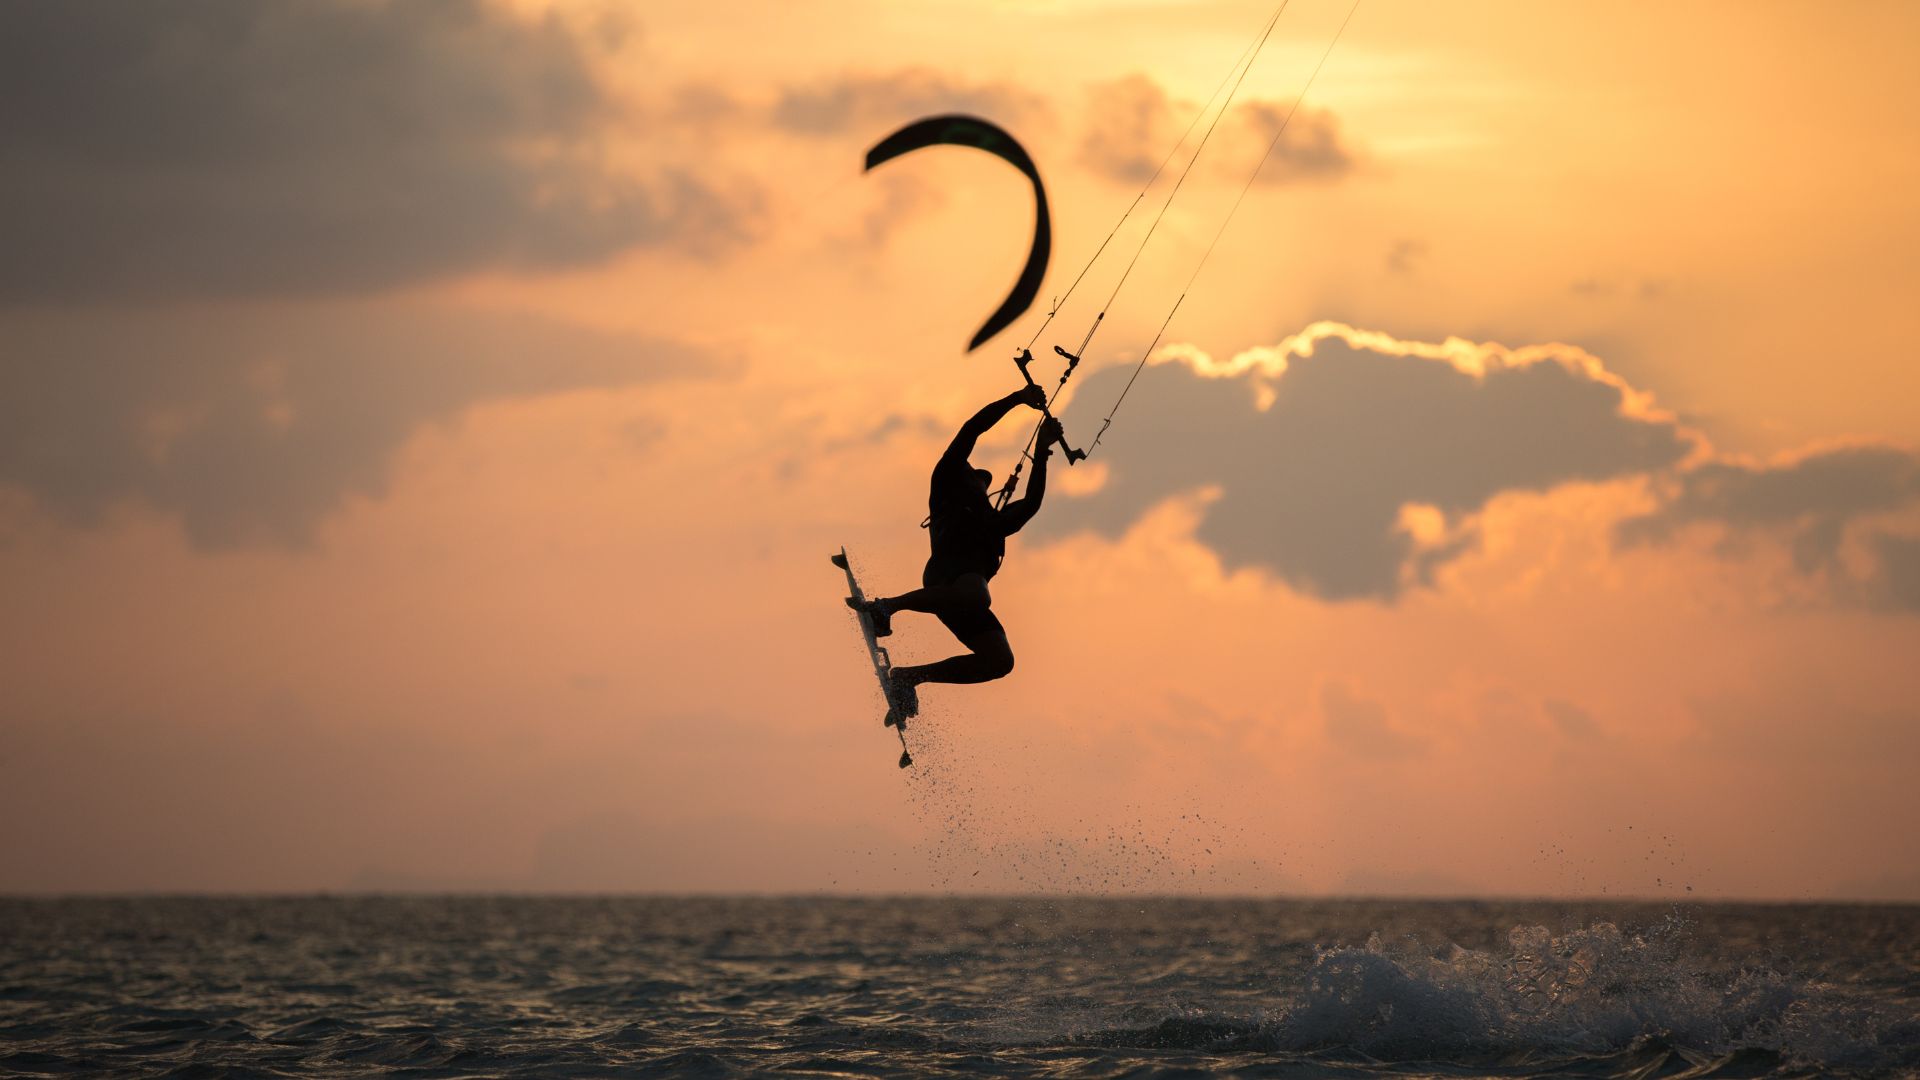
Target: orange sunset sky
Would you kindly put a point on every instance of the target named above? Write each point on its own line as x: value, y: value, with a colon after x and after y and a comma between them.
x: 423, y: 428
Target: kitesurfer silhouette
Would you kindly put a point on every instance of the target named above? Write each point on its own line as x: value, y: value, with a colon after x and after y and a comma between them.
x: 968, y: 537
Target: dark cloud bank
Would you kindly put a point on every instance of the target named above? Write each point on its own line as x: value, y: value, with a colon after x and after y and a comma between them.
x: 252, y: 428
x: 231, y: 147
x: 163, y: 161
x: 1312, y: 489
x: 1814, y: 503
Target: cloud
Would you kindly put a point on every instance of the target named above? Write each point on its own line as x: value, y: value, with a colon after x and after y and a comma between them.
x: 1405, y: 255
x: 858, y: 108
x: 1353, y: 465
x: 1646, y: 288
x: 643, y: 433
x: 1311, y: 148
x: 870, y: 103
x: 1897, y: 582
x: 913, y: 425
x: 1571, y: 720
x: 1360, y: 726
x: 1813, y: 501
x: 1130, y: 127
x: 1132, y: 124
x: 230, y: 148
x: 253, y: 427
x: 1811, y: 496
x: 1350, y: 464
x: 903, y: 195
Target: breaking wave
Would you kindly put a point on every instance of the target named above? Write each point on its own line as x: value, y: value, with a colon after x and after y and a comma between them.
x: 1588, y: 996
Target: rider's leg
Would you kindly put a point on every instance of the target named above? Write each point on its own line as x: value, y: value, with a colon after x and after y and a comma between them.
x: 969, y: 591
x: 989, y: 658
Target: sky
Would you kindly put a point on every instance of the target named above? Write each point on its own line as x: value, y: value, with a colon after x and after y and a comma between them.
x: 423, y: 429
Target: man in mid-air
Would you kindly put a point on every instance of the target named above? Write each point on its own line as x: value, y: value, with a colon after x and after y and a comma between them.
x: 969, y: 538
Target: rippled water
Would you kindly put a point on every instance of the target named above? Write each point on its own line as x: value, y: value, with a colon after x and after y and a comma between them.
x: 1073, y: 988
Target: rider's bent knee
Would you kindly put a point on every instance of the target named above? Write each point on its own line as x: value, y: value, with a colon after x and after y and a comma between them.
x: 999, y: 662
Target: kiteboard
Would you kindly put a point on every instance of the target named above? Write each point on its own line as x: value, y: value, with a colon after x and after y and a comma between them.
x: 897, y: 716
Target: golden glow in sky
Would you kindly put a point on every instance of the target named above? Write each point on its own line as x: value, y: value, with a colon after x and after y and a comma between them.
x: 423, y: 429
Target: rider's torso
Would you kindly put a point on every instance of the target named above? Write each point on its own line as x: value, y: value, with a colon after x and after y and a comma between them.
x: 964, y: 530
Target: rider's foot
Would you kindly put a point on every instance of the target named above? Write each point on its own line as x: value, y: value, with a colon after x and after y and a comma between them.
x: 903, y: 701
x: 878, y: 617
x: 875, y: 617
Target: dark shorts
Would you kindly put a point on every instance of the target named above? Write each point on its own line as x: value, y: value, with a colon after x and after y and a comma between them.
x: 976, y: 627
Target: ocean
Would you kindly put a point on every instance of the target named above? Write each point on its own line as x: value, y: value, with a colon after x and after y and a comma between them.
x: 1057, y: 987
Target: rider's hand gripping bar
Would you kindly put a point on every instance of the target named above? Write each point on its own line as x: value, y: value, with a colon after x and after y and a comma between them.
x: 1074, y: 457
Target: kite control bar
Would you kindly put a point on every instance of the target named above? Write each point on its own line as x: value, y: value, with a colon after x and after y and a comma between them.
x: 1074, y: 457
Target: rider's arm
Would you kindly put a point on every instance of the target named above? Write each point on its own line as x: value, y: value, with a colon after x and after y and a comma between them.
x: 962, y: 446
x: 1020, y: 511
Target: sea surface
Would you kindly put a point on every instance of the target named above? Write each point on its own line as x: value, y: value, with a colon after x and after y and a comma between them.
x: 440, y: 987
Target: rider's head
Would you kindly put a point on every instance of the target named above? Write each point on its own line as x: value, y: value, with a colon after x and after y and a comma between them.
x: 984, y: 479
